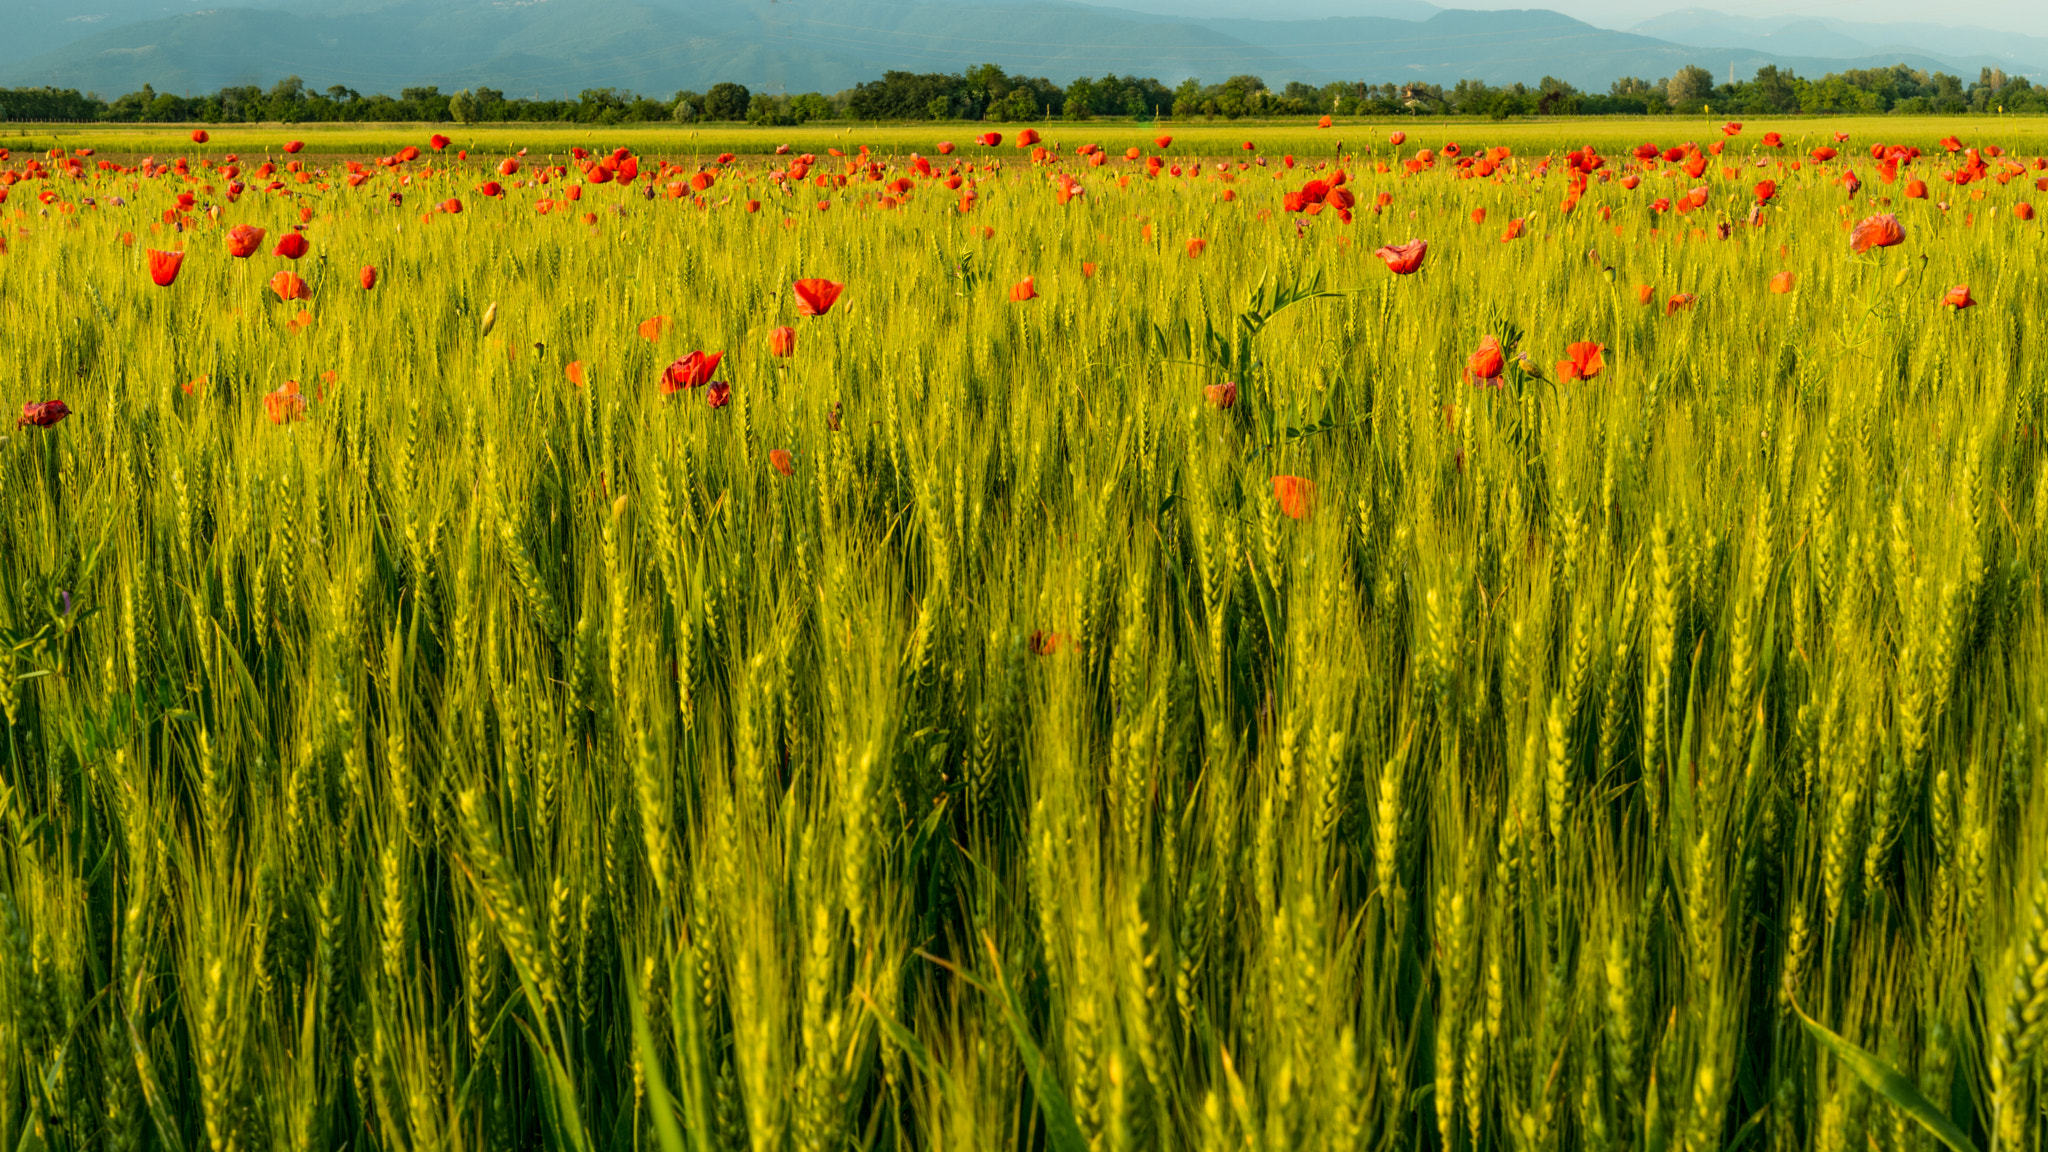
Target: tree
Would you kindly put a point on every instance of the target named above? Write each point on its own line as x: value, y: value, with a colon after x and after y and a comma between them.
x: 1187, y: 99
x: 1690, y: 87
x: 1775, y: 90
x: 727, y: 101
x: 462, y: 107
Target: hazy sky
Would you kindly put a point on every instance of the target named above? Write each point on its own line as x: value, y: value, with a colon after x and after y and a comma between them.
x: 2028, y: 17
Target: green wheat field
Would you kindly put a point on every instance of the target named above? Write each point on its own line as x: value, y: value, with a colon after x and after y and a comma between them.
x: 432, y: 722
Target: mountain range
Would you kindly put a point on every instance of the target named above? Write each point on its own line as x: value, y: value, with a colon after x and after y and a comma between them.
x: 559, y: 47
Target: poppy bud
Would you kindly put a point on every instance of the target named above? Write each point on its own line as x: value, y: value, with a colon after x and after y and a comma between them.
x: 369, y: 277
x: 490, y: 317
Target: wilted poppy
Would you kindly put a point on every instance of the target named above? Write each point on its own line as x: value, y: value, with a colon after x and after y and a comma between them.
x: 692, y: 371
x: 42, y: 414
x: 1881, y: 231
x: 719, y: 394
x: 1403, y: 259
x: 1486, y: 363
x: 1958, y: 298
x: 652, y: 327
x: 1294, y: 494
x: 369, y: 277
x: 782, y: 461
x: 1781, y: 283
x: 816, y: 297
x: 782, y: 341
x: 286, y: 404
x: 1222, y: 395
x: 574, y: 371
x: 1023, y: 291
x: 244, y: 240
x: 291, y: 246
x: 288, y: 286
x: 163, y: 266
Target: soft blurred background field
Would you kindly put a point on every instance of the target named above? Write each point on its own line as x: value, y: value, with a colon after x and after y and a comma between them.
x: 1608, y: 133
x: 489, y: 762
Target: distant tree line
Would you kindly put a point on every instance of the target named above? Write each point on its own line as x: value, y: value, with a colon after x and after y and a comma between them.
x: 989, y: 93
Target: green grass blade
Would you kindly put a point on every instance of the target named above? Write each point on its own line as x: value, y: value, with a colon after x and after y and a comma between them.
x: 1892, y: 1084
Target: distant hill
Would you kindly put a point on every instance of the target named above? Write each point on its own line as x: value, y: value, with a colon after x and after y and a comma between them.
x: 560, y: 47
x: 1807, y: 36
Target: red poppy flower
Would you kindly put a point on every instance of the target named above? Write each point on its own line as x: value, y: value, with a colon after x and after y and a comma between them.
x: 782, y: 341
x: 1486, y: 363
x: 1644, y: 292
x: 1952, y: 144
x: 692, y: 371
x: 199, y: 136
x: 652, y: 327
x: 1479, y: 215
x: 1881, y: 231
x: 1781, y: 283
x: 1514, y: 231
x: 1765, y: 189
x: 369, y: 277
x: 816, y: 297
x: 1682, y: 300
x: 293, y: 146
x: 288, y: 286
x: 945, y: 147
x: 1028, y: 137
x: 244, y: 240
x: 286, y: 404
x: 1222, y: 395
x: 1295, y: 495
x: 1584, y: 363
x: 1916, y: 190
x: 163, y: 266
x: 719, y: 394
x: 452, y: 206
x: 1023, y: 291
x: 1403, y: 259
x: 2023, y: 210
x: 1773, y: 140
x: 1398, y: 139
x: 574, y: 371
x: 1732, y: 128
x: 1195, y: 247
x: 1958, y: 298
x: 42, y: 415
x: 291, y: 246
x: 1162, y: 142
x: 438, y: 141
x: 1324, y: 122
x: 989, y: 139
x: 782, y: 461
